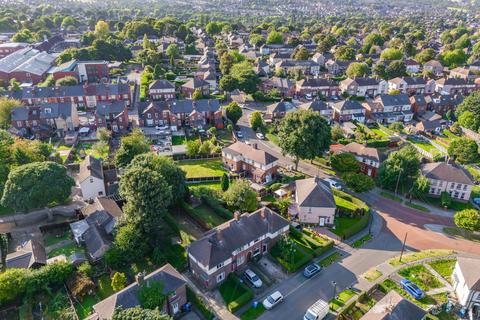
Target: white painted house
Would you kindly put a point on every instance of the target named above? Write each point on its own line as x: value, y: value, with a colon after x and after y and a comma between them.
x: 450, y: 178
x: 466, y: 283
x: 91, y: 178
x: 313, y: 202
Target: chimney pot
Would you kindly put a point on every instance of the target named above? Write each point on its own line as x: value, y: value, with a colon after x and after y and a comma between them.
x: 237, y: 215
x: 140, y: 277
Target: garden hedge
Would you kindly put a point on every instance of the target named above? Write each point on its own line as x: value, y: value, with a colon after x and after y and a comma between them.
x: 200, y: 304
x: 378, y: 143
x: 357, y: 227
x: 217, y: 207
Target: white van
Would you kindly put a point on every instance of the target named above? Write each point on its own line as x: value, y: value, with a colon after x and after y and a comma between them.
x: 317, y: 311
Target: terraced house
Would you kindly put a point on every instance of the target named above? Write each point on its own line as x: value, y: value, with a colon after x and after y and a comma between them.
x: 230, y: 246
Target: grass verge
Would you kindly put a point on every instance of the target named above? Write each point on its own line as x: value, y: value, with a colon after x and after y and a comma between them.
x: 358, y: 243
x: 328, y: 260
x: 372, y: 275
x: 253, y: 313
x: 343, y: 297
x: 415, y: 256
x: 391, y: 196
x: 416, y: 206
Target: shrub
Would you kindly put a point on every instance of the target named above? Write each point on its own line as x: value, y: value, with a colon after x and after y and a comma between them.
x: 200, y: 304
x: 378, y: 143
x: 171, y: 223
x: 217, y: 207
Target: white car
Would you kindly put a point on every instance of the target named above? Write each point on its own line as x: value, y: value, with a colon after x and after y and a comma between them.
x: 253, y: 278
x: 159, y: 128
x: 333, y: 184
x: 272, y: 300
x: 239, y: 134
x: 260, y: 136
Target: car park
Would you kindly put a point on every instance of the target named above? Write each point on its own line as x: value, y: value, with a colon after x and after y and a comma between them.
x: 272, y: 300
x: 311, y: 270
x: 260, y: 136
x: 253, y: 278
x: 412, y: 289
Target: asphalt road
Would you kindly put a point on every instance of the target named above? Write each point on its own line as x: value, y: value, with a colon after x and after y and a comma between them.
x: 393, y: 221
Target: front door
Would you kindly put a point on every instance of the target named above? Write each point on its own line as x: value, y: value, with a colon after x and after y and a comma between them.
x: 322, y: 222
x: 175, y: 307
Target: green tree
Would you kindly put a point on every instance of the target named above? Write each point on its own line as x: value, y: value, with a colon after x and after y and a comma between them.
x: 228, y: 83
x: 391, y: 54
x: 234, y: 112
x: 13, y: 283
x: 103, y: 135
x: 464, y: 150
x: 213, y: 28
x: 396, y: 126
x: 197, y: 95
x: 344, y: 162
x: 337, y: 132
x: 173, y: 50
x: 400, y: 168
x: 36, y: 185
x: 301, y: 54
x: 468, y: 120
x: 151, y: 296
x: 193, y: 147
x: 358, y: 182
x: 130, y: 241
x: 344, y: 53
x: 256, y: 39
x: 395, y: 69
x: 3, y: 251
x: 425, y: 55
x: 101, y: 29
x: 119, y: 281
x: 14, y: 85
x: 241, y: 196
x: 226, y: 63
x: 304, y: 134
x: 274, y: 37
x: 66, y: 81
x: 138, y: 313
x: 357, y: 69
x: 453, y: 58
x: 246, y: 79
x: 225, y: 182
x: 420, y: 188
x: 374, y: 39
x: 6, y: 107
x: 130, y: 146
x: 470, y: 103
x: 468, y: 219
x: 256, y: 120
x: 147, y: 195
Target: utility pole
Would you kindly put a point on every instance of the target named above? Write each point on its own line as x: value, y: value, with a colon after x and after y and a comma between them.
x: 403, y: 247
x: 334, y: 284
x: 398, y: 180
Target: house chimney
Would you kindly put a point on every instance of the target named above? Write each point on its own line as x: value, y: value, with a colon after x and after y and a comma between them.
x: 237, y: 215
x: 254, y: 146
x: 140, y: 277
x: 262, y: 213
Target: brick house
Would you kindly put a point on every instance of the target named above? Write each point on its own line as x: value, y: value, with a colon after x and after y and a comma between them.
x: 161, y: 90
x: 320, y: 107
x: 347, y: 110
x: 87, y: 95
x: 455, y: 86
x: 91, y: 71
x: 279, y: 110
x: 155, y: 113
x: 450, y: 178
x: 367, y: 158
x: 112, y: 116
x: 285, y: 87
x: 42, y: 120
x: 196, y: 113
x: 260, y: 165
x: 317, y: 86
x: 441, y: 103
x: 194, y: 84
x: 230, y: 246
x: 174, y: 287
x: 393, y: 108
x: 419, y: 104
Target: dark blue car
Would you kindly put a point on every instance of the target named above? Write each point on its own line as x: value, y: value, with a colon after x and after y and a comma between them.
x: 412, y: 289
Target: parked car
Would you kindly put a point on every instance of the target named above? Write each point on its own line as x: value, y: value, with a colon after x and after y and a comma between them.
x: 308, y: 96
x: 476, y: 201
x: 333, y: 184
x: 260, y: 136
x: 317, y: 311
x: 161, y: 127
x: 311, y: 270
x: 239, y: 134
x: 272, y: 300
x: 253, y: 278
x: 412, y: 289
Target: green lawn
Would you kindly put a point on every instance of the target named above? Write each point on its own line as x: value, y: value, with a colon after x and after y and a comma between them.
x: 293, y: 262
x: 224, y: 136
x: 344, y: 223
x: 105, y: 289
x: 253, y: 313
x: 461, y: 233
x: 52, y: 239
x: 427, y: 146
x: 372, y: 275
x: 208, y: 215
x: 416, y: 206
x: 343, y: 297
x: 63, y: 148
x: 390, y: 196
x: 444, y: 267
x: 379, y: 132
x: 420, y: 275
x: 202, y: 168
x: 66, y: 250
x: 215, y: 185
x: 273, y: 138
x: 358, y: 243
x: 85, y: 307
x: 425, y: 303
x: 232, y: 291
x: 330, y: 259
x: 415, y: 256
x: 178, y: 140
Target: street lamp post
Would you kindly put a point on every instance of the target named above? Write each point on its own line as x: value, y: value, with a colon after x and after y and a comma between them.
x: 334, y: 284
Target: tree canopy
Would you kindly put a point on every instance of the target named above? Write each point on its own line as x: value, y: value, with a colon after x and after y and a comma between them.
x: 234, y: 112
x: 468, y: 219
x: 464, y: 150
x: 241, y: 196
x: 401, y: 167
x: 130, y: 146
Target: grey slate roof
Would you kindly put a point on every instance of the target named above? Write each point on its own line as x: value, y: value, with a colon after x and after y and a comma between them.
x: 218, y: 244
x: 30, y: 254
x: 470, y: 272
x: 161, y: 84
x: 313, y: 192
x: 394, y: 99
x: 282, y: 106
x: 348, y: 105
x: 90, y: 167
x: 128, y: 297
x: 195, y: 83
x: 446, y: 172
x: 394, y: 307
x: 249, y: 152
x: 113, y: 107
x: 315, y: 105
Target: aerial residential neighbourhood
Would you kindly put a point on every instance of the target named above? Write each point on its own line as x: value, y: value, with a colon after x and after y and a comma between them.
x: 255, y: 159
